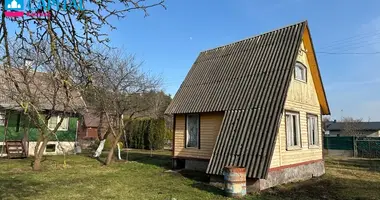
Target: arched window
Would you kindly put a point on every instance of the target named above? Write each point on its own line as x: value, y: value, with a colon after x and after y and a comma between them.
x: 300, y: 72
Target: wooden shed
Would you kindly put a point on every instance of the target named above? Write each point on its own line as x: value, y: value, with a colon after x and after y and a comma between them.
x: 256, y: 103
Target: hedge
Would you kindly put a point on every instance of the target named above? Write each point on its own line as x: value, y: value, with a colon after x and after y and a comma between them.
x: 146, y: 133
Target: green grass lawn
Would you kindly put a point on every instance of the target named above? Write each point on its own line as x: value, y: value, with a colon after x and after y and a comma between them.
x: 145, y: 177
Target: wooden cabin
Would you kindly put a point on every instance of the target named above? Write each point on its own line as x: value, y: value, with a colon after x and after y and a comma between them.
x: 18, y: 134
x: 256, y: 103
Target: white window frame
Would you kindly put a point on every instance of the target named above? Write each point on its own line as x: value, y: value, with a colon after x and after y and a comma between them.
x: 303, y: 69
x: 64, y: 126
x: 198, y: 131
x: 312, y: 130
x: 293, y: 128
x: 2, y: 118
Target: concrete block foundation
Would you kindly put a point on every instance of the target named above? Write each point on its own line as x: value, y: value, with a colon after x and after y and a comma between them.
x: 294, y: 173
x: 68, y: 147
x: 280, y: 175
x: 196, y: 165
x: 190, y: 164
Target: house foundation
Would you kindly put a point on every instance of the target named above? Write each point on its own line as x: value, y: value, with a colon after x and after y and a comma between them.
x: 52, y: 148
x: 190, y: 164
x: 293, y: 173
x: 279, y: 175
x: 196, y: 165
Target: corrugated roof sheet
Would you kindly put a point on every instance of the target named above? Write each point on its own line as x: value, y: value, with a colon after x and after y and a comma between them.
x: 248, y: 80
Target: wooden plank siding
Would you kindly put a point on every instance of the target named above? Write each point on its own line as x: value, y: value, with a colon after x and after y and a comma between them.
x: 302, y: 98
x: 209, y: 130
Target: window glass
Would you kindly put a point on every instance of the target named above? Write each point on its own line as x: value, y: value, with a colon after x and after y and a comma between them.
x: 312, y: 126
x: 2, y: 118
x: 292, y: 130
x: 192, y: 130
x: 54, y: 120
x: 300, y: 72
x: 50, y: 148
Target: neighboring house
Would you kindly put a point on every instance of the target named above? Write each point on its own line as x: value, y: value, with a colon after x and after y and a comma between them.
x: 15, y: 125
x: 256, y: 103
x: 361, y: 129
x: 89, y: 126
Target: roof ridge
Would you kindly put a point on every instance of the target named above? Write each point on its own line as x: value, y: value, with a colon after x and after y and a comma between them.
x: 252, y: 37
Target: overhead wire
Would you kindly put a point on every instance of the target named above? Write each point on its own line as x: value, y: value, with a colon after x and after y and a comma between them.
x: 352, y: 39
x: 342, y: 47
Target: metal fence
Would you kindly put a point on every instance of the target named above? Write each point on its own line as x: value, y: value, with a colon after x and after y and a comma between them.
x: 368, y: 147
x: 338, y: 143
x: 365, y: 147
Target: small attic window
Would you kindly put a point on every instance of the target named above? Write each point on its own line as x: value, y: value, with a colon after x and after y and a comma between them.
x: 300, y: 72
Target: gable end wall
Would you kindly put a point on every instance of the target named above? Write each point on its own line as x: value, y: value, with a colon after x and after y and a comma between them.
x: 302, y: 98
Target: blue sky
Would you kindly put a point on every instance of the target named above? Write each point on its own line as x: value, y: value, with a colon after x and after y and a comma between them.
x: 168, y: 41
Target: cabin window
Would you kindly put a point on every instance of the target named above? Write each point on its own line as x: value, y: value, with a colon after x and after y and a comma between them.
x: 2, y: 118
x: 293, y: 133
x: 192, y: 130
x: 54, y: 120
x: 300, y: 72
x: 50, y: 148
x: 312, y: 130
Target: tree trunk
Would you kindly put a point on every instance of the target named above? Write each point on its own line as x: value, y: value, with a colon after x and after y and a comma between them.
x: 36, y: 148
x: 37, y: 164
x: 40, y: 149
x: 100, y: 128
x: 110, y: 154
x: 355, y: 146
x: 126, y: 148
x: 114, y: 144
x: 100, y: 148
x: 25, y: 139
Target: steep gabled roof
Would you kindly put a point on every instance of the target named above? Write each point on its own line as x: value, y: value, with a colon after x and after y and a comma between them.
x: 238, y: 76
x: 248, y: 80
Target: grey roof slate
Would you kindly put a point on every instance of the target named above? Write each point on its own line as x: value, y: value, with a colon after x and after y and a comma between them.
x: 248, y: 80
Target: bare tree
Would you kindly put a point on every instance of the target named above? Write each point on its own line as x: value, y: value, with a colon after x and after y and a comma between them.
x: 40, y: 90
x: 352, y: 126
x: 71, y: 33
x: 118, y: 88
